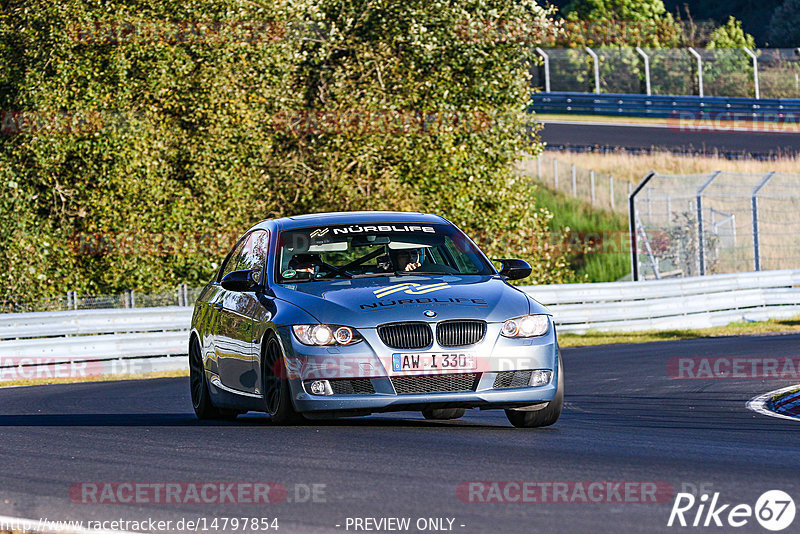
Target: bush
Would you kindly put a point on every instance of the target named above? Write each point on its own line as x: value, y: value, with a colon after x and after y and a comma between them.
x: 132, y: 159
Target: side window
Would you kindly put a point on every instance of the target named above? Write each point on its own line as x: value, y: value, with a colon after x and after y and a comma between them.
x: 254, y: 253
x: 230, y: 262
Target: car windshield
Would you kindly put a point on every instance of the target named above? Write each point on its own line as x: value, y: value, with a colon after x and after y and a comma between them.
x: 381, y: 249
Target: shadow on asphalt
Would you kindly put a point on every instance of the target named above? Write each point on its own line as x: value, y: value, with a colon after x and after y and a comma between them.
x: 189, y: 420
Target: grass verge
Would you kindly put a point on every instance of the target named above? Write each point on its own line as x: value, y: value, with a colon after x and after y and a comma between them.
x: 733, y: 329
x: 580, y: 220
x: 95, y: 378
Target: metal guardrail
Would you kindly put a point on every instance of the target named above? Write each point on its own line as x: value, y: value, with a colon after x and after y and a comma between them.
x: 631, y: 105
x: 696, y: 302
x: 81, y: 343
x: 118, y: 341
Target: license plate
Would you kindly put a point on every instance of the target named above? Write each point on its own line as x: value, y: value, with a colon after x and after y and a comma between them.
x: 440, y: 361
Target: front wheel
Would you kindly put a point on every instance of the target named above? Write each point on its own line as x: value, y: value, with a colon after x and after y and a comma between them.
x: 547, y: 415
x: 275, y: 385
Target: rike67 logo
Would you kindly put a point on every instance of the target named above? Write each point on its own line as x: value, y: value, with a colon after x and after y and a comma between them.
x: 774, y: 510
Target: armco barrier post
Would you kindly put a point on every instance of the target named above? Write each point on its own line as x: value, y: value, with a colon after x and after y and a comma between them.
x: 755, y: 70
x: 546, y: 60
x: 646, y: 69
x: 596, y: 66
x: 754, y: 209
x: 632, y: 223
x: 699, y: 70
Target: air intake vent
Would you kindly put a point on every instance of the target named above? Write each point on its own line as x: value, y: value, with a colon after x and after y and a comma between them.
x: 512, y: 379
x: 460, y: 333
x: 406, y: 335
x: 354, y: 386
x: 435, y: 383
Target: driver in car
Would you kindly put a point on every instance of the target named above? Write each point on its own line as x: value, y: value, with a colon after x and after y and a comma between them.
x: 303, y: 265
x: 408, y: 260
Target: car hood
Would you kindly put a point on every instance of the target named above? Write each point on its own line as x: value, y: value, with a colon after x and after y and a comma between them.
x: 368, y: 302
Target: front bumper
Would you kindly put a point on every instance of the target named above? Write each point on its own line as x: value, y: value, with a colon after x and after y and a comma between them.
x: 371, y: 360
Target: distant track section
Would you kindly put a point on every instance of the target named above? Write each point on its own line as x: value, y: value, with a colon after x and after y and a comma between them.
x: 582, y: 135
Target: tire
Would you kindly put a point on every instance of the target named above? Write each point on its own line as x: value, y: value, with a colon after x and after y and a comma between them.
x: 443, y: 413
x: 198, y: 385
x: 275, y: 385
x: 546, y: 416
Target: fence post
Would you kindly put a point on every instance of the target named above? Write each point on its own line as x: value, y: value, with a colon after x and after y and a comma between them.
x: 646, y: 69
x: 546, y: 60
x: 755, y: 70
x: 129, y: 298
x: 555, y: 173
x: 632, y: 223
x: 699, y: 70
x: 754, y: 209
x: 596, y: 63
x: 611, y: 187
x: 574, y: 183
x: 591, y: 180
x: 539, y: 167
x: 72, y: 300
x: 700, y: 237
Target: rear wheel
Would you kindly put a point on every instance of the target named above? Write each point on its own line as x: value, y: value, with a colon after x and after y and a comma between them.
x: 547, y: 415
x: 443, y: 413
x: 198, y: 383
x: 275, y: 385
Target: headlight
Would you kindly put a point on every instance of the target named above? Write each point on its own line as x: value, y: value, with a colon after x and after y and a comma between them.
x: 526, y: 326
x: 323, y: 334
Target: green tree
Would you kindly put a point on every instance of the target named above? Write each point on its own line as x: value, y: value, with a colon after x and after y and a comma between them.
x: 643, y: 23
x: 234, y: 111
x: 729, y: 71
x: 784, y: 26
x: 731, y: 35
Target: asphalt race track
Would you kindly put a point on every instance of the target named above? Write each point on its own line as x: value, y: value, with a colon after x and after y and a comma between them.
x: 625, y: 419
x: 644, y: 137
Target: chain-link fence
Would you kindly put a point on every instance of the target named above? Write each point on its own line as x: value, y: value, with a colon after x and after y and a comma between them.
x: 70, y: 300
x: 599, y: 190
x: 735, y: 72
x: 722, y: 222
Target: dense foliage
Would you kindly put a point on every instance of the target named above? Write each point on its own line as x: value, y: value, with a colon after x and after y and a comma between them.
x: 139, y: 138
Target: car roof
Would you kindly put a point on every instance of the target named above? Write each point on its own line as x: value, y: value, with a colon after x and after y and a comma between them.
x: 355, y: 217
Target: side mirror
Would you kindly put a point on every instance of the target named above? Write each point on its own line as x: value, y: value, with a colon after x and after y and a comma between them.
x: 241, y: 281
x: 514, y: 269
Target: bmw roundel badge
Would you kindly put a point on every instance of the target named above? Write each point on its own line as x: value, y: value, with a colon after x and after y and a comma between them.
x: 429, y: 313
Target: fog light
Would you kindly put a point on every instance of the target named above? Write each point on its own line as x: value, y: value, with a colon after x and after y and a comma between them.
x: 319, y: 387
x: 541, y: 377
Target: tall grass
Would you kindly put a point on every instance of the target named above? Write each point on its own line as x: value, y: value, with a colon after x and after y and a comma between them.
x: 633, y: 167
x: 603, y: 263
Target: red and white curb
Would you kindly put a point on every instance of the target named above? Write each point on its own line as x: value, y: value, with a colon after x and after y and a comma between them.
x: 786, y: 407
